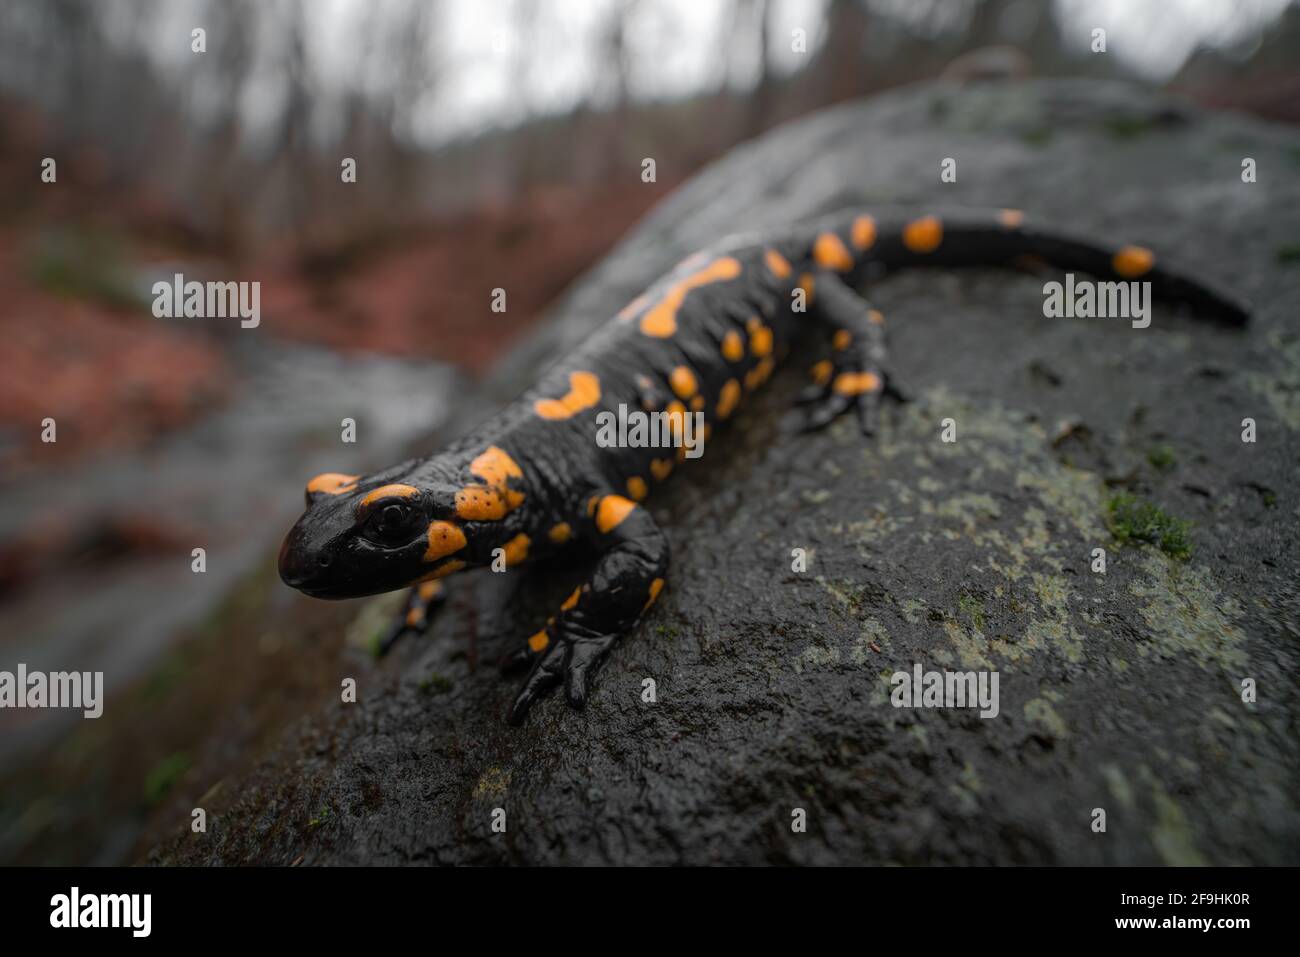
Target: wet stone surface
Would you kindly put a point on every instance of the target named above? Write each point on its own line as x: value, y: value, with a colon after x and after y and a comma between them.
x: 1118, y: 691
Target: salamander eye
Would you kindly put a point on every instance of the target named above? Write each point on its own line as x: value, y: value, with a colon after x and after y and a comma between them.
x: 390, y: 524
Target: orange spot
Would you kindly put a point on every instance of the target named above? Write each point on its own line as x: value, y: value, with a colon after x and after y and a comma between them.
x: 728, y: 398
x: 516, y: 550
x: 656, y: 587
x: 676, y: 413
x: 760, y: 337
x: 923, y: 235
x: 856, y: 383
x: 806, y: 284
x: 332, y: 483
x: 636, y: 488
x: 840, y: 341
x: 572, y: 599
x: 477, y: 504
x: 591, y: 505
x: 682, y: 381
x: 697, y: 404
x: 444, y: 539
x: 611, y: 512
x: 759, y: 374
x: 660, y: 320
x: 733, y: 347
x: 1132, y: 261
x: 875, y: 317
x: 584, y: 392
x: 539, y: 641
x: 429, y: 589
x: 661, y: 468
x: 1011, y: 218
x: 442, y: 571
x: 821, y: 372
x: 496, y: 468
x: 414, y: 615
x: 387, y: 491
x: 829, y: 251
x: 559, y: 534
x: 863, y: 232
x: 495, y: 465
x: 778, y: 264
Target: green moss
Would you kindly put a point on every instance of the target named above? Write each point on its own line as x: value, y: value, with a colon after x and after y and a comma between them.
x: 1288, y: 254
x: 974, y: 609
x: 374, y: 621
x: 1127, y: 127
x: 1161, y: 456
x: 166, y: 677
x: 83, y: 264
x: 321, y: 817
x: 1131, y: 519
x: 1037, y: 138
x: 667, y: 631
x: 164, y: 776
x: 435, y: 683
x: 492, y: 783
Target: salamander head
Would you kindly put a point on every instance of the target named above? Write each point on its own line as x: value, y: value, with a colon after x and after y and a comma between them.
x: 365, y: 535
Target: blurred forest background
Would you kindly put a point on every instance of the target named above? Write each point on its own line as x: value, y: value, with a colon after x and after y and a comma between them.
x: 484, y: 131
x: 497, y: 142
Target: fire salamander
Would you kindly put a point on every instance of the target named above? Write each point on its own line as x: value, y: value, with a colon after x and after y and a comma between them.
x: 534, y: 480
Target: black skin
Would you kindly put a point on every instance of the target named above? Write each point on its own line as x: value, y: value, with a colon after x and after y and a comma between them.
x: 341, y: 549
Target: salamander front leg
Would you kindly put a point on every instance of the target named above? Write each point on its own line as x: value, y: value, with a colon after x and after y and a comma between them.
x: 421, y: 602
x: 856, y: 375
x: 627, y: 579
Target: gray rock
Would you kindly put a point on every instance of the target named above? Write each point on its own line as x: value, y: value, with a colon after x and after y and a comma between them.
x: 1119, y: 691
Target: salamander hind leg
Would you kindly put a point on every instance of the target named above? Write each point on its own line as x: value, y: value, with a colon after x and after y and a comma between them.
x: 627, y: 579
x: 856, y: 376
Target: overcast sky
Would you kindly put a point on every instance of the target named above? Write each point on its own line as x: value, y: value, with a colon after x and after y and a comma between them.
x: 673, y: 48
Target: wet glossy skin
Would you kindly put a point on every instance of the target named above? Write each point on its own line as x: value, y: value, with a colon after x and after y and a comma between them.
x: 533, y: 480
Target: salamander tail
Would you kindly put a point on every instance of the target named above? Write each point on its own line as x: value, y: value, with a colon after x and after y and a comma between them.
x: 981, y: 237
